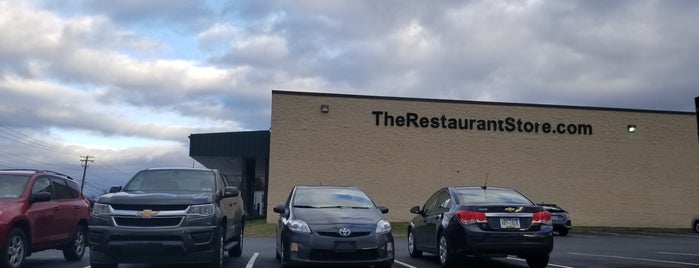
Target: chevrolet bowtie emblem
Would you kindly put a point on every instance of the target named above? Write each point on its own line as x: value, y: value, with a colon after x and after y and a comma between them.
x: 510, y: 209
x: 147, y: 213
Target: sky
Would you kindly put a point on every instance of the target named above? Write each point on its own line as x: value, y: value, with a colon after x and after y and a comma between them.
x: 126, y: 81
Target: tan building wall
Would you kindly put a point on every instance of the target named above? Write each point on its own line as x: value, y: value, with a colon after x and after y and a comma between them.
x: 649, y: 178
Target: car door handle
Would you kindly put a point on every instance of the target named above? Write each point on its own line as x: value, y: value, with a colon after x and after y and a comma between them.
x: 56, y: 208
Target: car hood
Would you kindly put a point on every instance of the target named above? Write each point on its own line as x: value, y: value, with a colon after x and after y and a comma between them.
x: 124, y: 198
x: 337, y: 215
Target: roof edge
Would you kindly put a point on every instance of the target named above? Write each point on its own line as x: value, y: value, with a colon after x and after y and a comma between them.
x: 339, y: 95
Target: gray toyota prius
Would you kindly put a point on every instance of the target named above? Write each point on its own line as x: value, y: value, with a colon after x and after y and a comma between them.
x: 330, y: 225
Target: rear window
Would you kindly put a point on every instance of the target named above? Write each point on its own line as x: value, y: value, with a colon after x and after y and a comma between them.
x: 12, y: 186
x: 331, y: 198
x: 479, y: 196
x: 172, y: 181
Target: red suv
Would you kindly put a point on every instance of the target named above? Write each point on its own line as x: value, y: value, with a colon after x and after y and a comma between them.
x: 40, y: 210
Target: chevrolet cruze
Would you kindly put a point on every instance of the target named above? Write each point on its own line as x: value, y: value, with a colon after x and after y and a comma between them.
x: 332, y: 225
x: 481, y: 222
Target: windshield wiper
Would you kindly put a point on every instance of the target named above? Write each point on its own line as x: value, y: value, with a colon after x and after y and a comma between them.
x: 304, y: 206
x: 344, y: 207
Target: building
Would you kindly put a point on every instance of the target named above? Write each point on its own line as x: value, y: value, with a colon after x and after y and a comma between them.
x: 608, y: 167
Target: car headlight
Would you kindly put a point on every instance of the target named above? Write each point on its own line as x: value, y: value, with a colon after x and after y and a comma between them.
x: 101, y: 209
x: 201, y: 210
x: 298, y: 226
x: 383, y: 226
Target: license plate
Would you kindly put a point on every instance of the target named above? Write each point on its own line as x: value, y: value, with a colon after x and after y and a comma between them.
x: 507, y: 223
x: 344, y: 247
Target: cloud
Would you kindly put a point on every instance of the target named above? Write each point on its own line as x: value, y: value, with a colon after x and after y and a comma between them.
x: 148, y: 74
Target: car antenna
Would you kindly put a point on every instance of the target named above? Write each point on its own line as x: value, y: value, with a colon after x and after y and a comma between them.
x: 485, y: 184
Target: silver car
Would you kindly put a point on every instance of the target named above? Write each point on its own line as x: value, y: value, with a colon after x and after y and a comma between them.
x: 561, y: 219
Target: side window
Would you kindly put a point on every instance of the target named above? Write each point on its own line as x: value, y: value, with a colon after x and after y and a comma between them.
x: 430, y: 204
x: 223, y: 180
x: 61, y: 190
x: 74, y: 189
x: 444, y: 200
x: 42, y: 184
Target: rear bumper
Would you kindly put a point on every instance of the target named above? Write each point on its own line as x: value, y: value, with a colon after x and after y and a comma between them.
x: 471, y: 240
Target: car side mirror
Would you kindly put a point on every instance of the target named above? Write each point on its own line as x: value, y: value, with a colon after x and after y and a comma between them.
x: 383, y: 209
x: 114, y: 189
x: 231, y: 191
x: 41, y: 197
x: 280, y: 209
x: 415, y: 210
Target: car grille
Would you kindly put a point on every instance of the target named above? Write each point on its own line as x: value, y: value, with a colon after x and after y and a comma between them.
x: 336, y: 234
x: 149, y: 207
x: 322, y: 255
x: 147, y: 222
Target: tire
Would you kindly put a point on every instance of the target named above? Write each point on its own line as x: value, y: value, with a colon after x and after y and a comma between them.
x: 563, y: 231
x: 696, y: 226
x: 104, y: 265
x: 538, y: 261
x: 383, y: 264
x: 76, y: 249
x: 237, y: 250
x: 217, y: 258
x: 415, y: 253
x: 15, y: 252
x: 284, y: 257
x: 446, y: 257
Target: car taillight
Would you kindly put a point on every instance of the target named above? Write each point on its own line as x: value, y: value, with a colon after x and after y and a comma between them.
x: 543, y: 217
x: 467, y: 217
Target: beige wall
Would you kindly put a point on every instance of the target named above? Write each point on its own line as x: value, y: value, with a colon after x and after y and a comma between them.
x: 649, y: 178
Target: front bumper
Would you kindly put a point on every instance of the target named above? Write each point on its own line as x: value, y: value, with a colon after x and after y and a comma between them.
x: 315, y: 248
x: 190, y: 244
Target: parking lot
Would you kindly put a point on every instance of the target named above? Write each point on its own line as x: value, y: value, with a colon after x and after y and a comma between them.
x: 578, y: 249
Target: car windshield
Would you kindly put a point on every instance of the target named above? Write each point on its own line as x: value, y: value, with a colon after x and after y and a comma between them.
x: 479, y: 196
x: 12, y: 186
x: 332, y: 198
x: 172, y: 181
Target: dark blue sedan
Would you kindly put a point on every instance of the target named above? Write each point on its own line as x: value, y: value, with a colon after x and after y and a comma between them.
x: 482, y: 222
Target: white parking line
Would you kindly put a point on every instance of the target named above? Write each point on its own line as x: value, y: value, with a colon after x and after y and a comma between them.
x: 677, y: 253
x: 636, y: 259
x: 550, y: 264
x: 252, y: 260
x: 404, y: 264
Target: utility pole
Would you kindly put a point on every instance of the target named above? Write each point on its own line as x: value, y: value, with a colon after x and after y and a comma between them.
x: 84, y: 159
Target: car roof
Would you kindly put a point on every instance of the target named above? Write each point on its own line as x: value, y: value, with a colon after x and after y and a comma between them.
x: 325, y: 187
x: 28, y: 171
x: 179, y: 168
x: 482, y: 187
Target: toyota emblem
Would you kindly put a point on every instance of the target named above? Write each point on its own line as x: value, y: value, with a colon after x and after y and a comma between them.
x: 345, y: 232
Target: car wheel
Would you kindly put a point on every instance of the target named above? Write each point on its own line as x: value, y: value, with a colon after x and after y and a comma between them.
x: 563, y: 231
x: 696, y: 226
x: 446, y: 257
x: 285, y: 262
x: 15, y: 249
x: 104, y: 265
x: 411, y: 245
x: 383, y: 264
x: 237, y: 250
x: 76, y: 249
x: 217, y: 260
x: 538, y: 261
